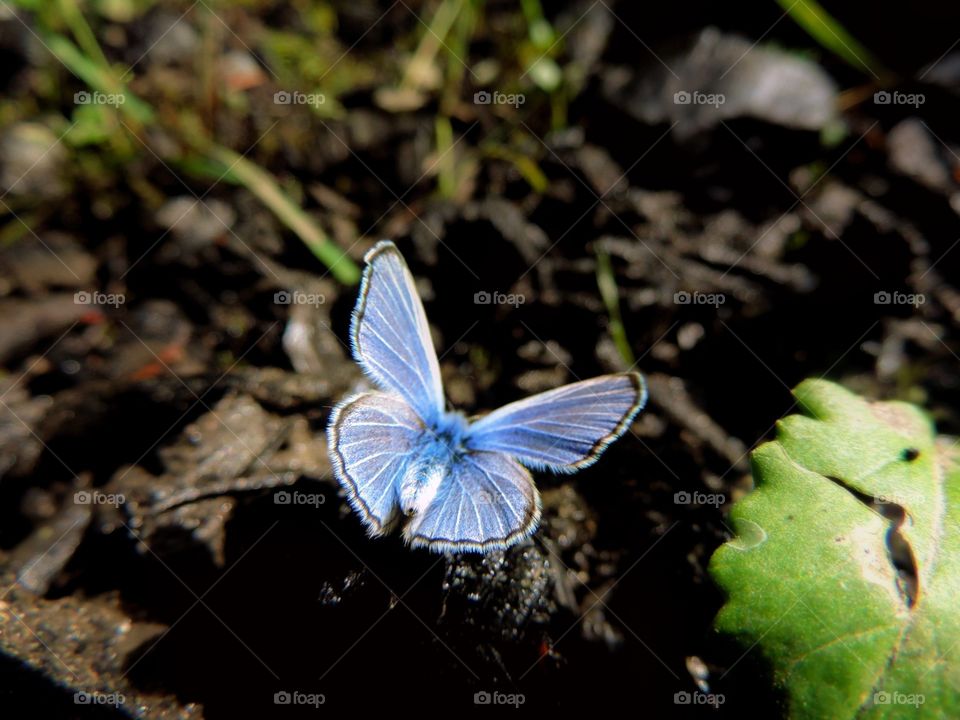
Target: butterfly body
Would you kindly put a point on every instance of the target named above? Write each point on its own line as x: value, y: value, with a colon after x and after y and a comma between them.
x: 440, y: 447
x: 462, y: 484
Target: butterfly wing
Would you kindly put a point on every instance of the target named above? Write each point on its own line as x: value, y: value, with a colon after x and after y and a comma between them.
x: 564, y: 429
x: 371, y: 437
x: 390, y: 336
x: 486, y: 502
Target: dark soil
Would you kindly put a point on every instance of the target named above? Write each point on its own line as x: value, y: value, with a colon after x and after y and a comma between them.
x: 785, y: 220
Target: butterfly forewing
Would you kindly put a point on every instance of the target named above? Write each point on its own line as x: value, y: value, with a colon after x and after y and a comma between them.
x: 391, y: 338
x: 563, y: 429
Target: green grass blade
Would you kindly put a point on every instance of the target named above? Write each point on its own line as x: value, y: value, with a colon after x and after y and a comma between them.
x: 827, y: 31
x: 607, y: 284
x: 265, y: 188
x: 97, y: 77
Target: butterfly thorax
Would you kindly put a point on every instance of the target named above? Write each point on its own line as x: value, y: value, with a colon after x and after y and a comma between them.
x: 442, y: 445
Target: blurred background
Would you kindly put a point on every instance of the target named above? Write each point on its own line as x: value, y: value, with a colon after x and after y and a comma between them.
x: 729, y: 197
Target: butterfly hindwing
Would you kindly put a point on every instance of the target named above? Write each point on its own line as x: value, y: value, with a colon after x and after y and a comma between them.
x: 371, y: 437
x: 564, y: 429
x: 487, y: 502
x: 390, y: 335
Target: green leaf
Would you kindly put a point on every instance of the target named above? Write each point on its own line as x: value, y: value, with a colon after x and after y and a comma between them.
x: 845, y: 568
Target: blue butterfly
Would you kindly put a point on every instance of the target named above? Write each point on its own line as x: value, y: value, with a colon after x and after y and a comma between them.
x: 462, y: 485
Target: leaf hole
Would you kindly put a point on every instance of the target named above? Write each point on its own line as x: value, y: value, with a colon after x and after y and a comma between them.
x: 899, y: 551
